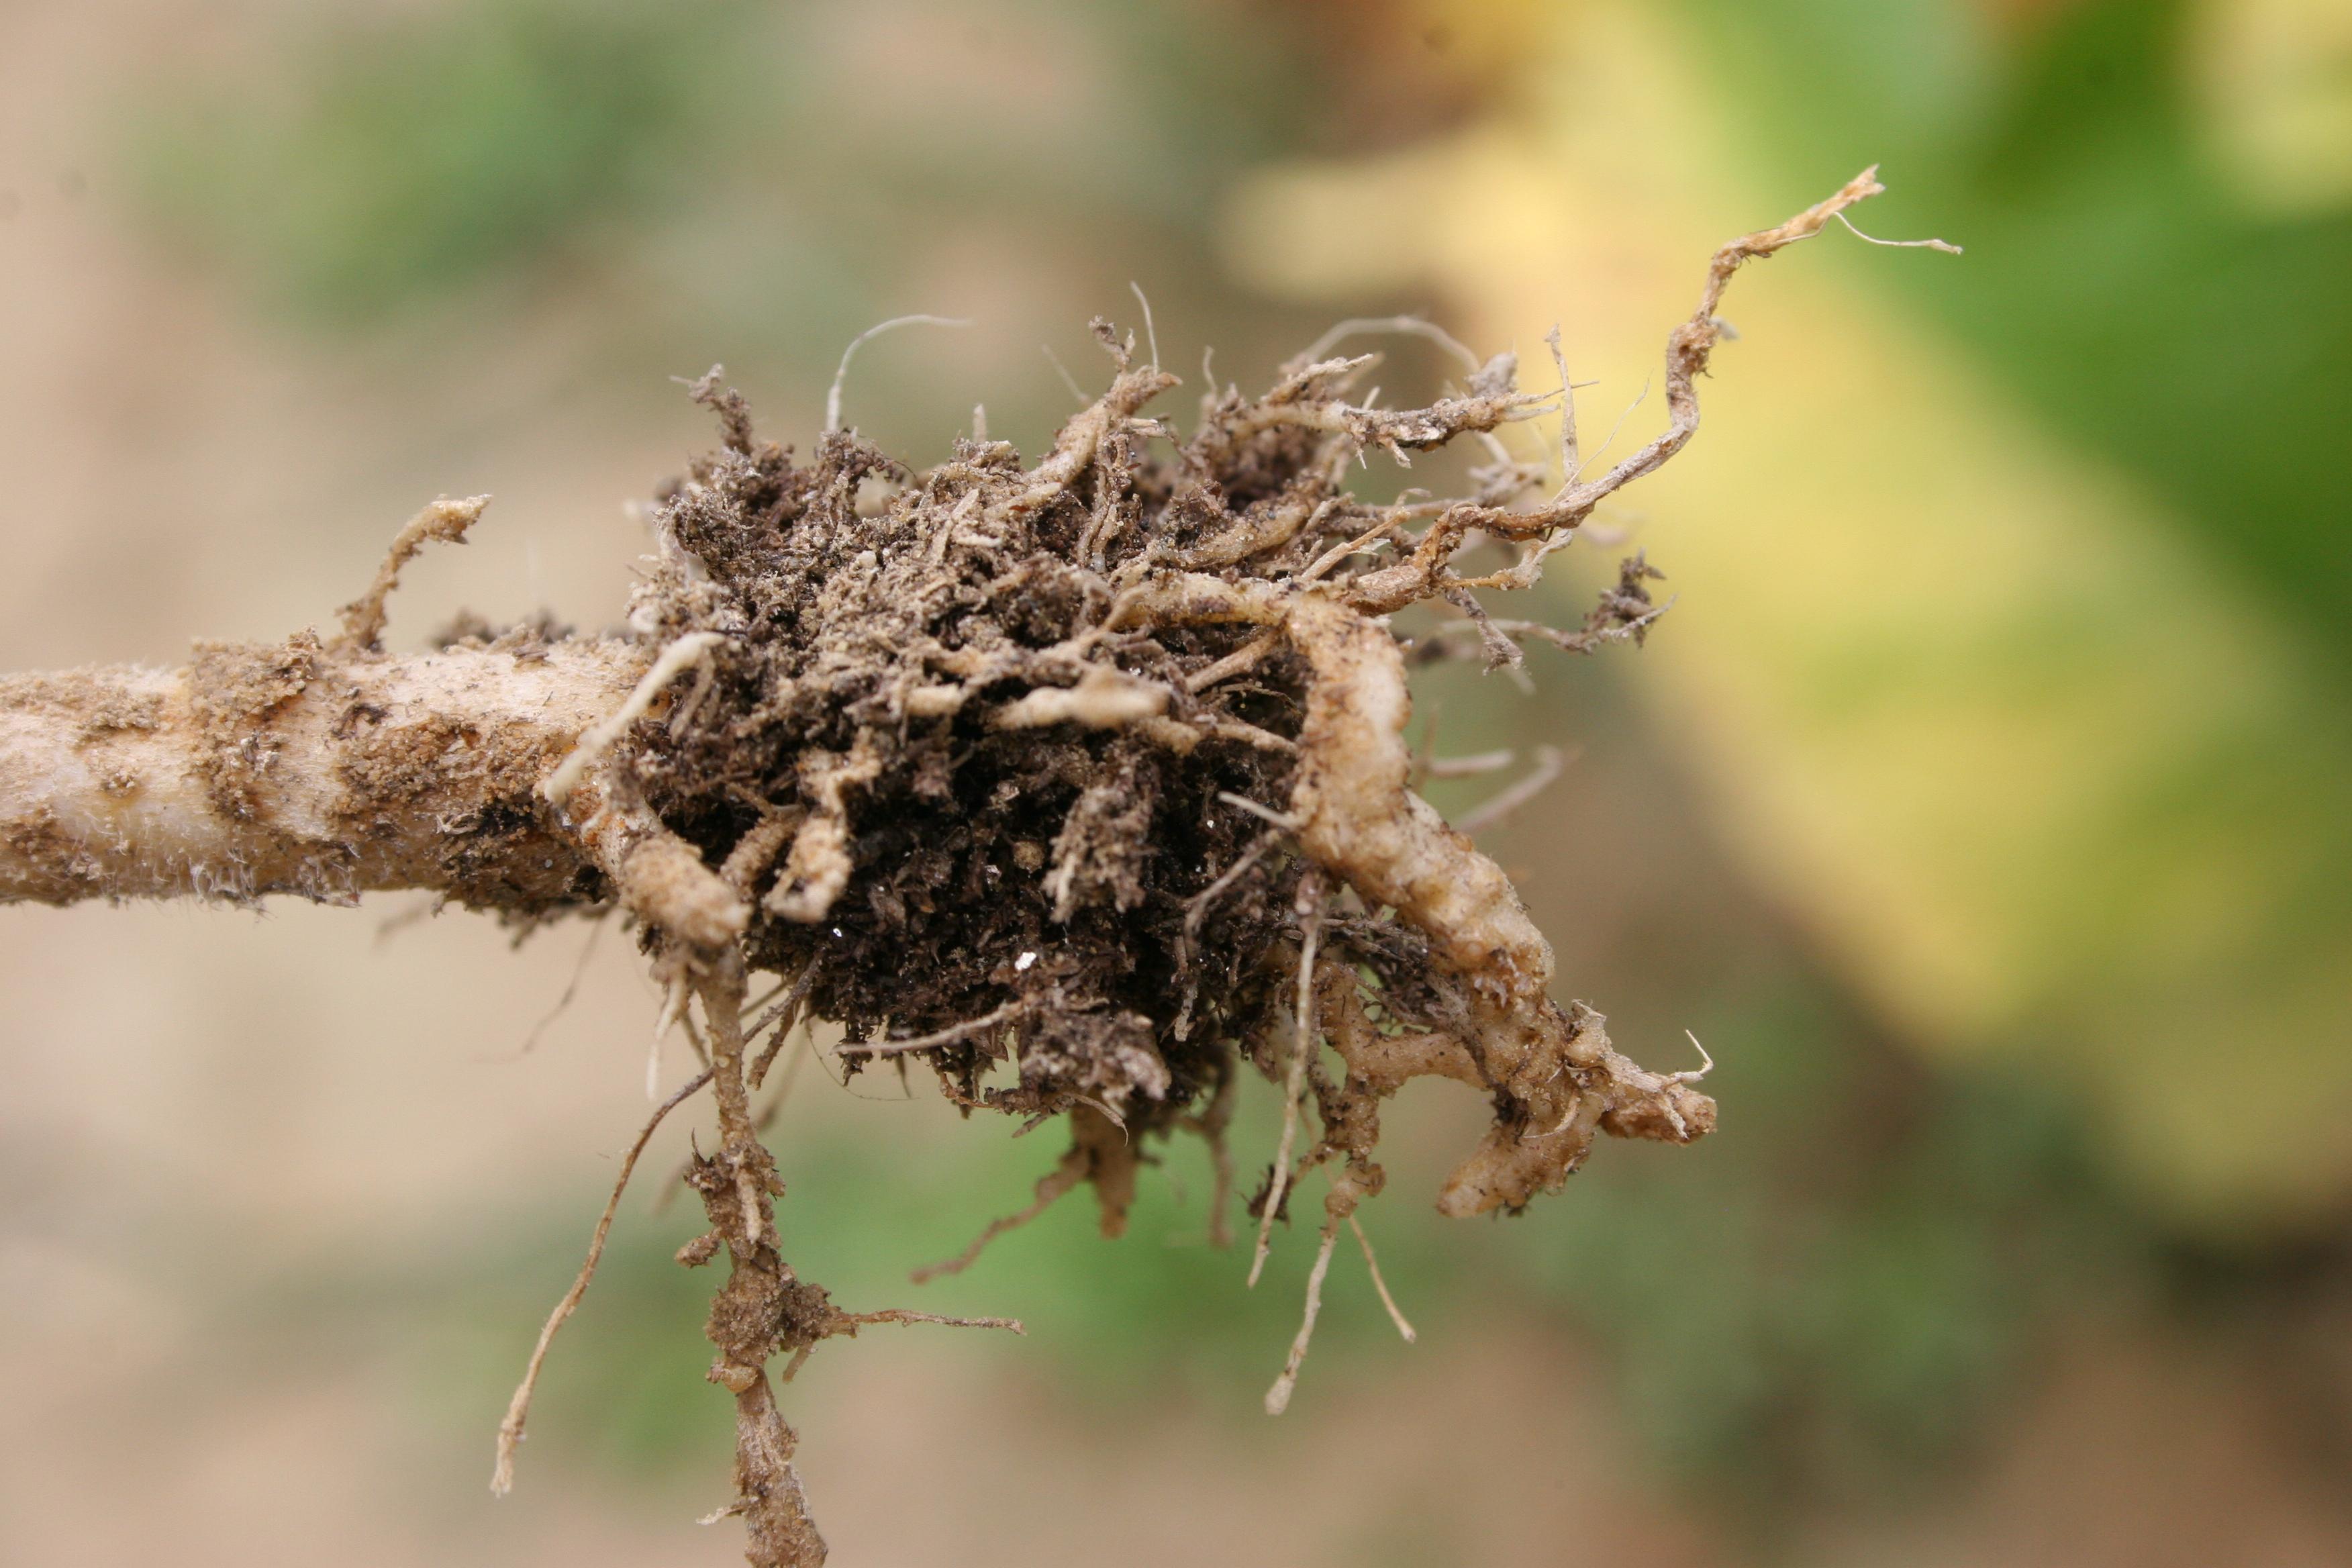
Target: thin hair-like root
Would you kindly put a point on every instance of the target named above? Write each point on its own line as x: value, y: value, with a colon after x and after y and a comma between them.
x: 1946, y: 247
x: 1064, y: 372
x: 840, y: 373
x: 1550, y: 762
x: 1050, y: 1188
x: 683, y: 654
x: 1411, y: 326
x: 1372, y: 1262
x: 871, y: 1050
x: 571, y: 989
x: 674, y: 1001
x: 1302, y: 1051
x: 1571, y: 464
x: 789, y: 1012
x: 907, y: 1315
x: 1614, y: 431
x: 518, y: 1407
x: 1150, y: 332
x: 1277, y: 1398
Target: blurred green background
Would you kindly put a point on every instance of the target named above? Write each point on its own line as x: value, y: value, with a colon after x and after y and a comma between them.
x: 1985, y: 802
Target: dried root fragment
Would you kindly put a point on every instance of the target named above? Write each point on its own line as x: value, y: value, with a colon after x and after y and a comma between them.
x: 1080, y: 782
x: 444, y: 521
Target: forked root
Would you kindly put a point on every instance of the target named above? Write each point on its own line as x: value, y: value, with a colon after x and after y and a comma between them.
x: 1348, y: 1191
x: 1277, y: 1398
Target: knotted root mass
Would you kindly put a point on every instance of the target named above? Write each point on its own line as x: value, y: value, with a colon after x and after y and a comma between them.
x: 1084, y: 784
x: 1081, y: 783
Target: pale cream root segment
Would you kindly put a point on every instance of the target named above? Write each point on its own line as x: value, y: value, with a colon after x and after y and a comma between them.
x: 664, y: 880
x: 1103, y: 699
x: 300, y: 767
x: 1359, y: 816
x: 819, y: 866
x: 1356, y: 814
x: 687, y: 653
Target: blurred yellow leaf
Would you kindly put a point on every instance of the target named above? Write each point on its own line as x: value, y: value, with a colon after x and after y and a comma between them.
x: 2273, y: 79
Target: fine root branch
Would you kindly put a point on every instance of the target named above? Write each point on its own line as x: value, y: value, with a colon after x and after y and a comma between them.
x: 1303, y: 1039
x: 1380, y: 1282
x: 1550, y: 762
x: 518, y: 1407
x: 444, y: 521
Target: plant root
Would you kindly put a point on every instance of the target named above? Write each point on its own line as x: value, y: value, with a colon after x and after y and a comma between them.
x: 1080, y: 782
x: 1381, y: 1284
x: 518, y: 1407
x: 1067, y: 1173
x: 444, y: 521
x: 1278, y: 1397
x: 1303, y: 1039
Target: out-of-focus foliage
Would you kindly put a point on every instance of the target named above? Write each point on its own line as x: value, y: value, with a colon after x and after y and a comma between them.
x: 2273, y: 81
x: 428, y: 151
x: 2132, y: 272
x: 2135, y: 278
x: 415, y: 158
x: 752, y: 182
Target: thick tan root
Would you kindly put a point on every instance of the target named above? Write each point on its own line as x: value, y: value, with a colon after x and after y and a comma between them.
x: 658, y: 876
x: 1357, y: 815
x: 778, y: 1529
x: 1556, y: 1080
x: 300, y: 768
